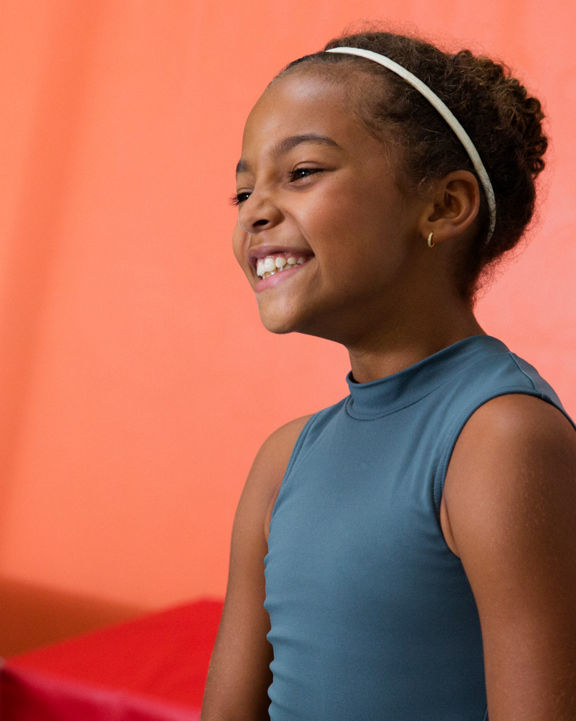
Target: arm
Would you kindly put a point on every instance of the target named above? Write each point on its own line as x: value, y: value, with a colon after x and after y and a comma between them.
x: 239, y: 674
x: 510, y: 514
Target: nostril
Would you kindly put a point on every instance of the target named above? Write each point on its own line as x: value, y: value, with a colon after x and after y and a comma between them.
x: 260, y: 222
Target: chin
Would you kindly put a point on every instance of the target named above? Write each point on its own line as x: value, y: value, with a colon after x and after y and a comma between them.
x: 277, y: 325
x: 281, y: 317
x: 308, y: 319
x: 283, y: 324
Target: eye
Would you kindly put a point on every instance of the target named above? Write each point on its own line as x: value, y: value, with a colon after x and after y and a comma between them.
x: 299, y: 173
x: 240, y: 197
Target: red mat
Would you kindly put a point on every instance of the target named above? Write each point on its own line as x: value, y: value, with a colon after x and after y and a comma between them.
x: 150, y: 669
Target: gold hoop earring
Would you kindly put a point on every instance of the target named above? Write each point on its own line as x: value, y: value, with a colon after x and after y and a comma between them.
x: 430, y: 240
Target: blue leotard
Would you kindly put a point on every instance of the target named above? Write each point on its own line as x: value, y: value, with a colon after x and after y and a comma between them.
x: 372, y: 617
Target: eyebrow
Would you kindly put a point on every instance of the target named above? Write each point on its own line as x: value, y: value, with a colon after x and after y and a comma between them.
x: 285, y: 145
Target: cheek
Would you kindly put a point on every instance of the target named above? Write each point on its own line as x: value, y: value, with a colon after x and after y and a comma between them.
x: 347, y: 222
x: 330, y: 219
x: 352, y: 205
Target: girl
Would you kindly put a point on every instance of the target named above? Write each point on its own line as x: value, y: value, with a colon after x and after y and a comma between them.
x: 408, y: 553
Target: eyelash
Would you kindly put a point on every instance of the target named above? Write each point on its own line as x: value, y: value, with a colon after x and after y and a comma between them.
x: 236, y: 199
x: 294, y: 175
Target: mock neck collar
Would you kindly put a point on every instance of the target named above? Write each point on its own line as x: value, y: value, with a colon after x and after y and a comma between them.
x: 391, y: 393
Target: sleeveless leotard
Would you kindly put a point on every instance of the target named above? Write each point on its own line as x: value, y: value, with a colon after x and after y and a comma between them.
x: 372, y: 617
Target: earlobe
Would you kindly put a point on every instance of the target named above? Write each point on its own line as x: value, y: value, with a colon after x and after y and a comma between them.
x: 455, y: 206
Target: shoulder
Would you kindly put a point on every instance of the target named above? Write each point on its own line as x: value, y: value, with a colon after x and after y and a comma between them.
x: 515, y: 423
x: 515, y: 451
x: 283, y: 439
x: 272, y: 458
x: 268, y: 469
x: 514, y: 433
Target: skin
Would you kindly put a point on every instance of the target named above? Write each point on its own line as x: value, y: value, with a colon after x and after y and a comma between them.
x: 378, y: 290
x: 371, y: 283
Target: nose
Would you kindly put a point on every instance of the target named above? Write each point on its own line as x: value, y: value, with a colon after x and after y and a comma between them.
x: 258, y: 213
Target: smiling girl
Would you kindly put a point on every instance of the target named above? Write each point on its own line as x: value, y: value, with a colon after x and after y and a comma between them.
x: 407, y: 553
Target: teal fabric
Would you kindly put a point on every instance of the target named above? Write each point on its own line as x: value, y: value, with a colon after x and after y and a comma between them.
x: 372, y: 617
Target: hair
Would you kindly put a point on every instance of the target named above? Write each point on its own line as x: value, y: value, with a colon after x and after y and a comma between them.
x: 503, y: 121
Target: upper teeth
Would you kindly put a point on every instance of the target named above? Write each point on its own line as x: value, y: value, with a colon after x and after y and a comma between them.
x: 272, y: 264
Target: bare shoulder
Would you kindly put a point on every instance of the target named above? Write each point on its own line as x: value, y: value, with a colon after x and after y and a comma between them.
x: 275, y: 452
x: 269, y: 467
x: 509, y: 512
x: 516, y: 455
x: 518, y: 417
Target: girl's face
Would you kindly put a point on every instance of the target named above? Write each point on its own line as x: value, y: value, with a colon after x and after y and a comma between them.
x: 327, y: 239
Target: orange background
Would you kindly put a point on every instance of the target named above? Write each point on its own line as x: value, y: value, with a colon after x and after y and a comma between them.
x: 136, y: 381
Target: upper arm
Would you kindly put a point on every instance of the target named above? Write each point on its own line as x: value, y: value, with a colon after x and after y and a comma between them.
x: 510, y: 499
x: 239, y: 673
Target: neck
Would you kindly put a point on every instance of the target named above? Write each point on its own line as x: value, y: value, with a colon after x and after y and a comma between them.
x: 391, y: 350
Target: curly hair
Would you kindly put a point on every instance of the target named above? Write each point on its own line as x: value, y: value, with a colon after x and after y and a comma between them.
x: 503, y: 121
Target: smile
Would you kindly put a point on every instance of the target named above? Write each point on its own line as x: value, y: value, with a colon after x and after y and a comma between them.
x: 272, y: 264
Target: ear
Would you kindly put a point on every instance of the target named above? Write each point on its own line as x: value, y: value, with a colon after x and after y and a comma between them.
x: 453, y: 207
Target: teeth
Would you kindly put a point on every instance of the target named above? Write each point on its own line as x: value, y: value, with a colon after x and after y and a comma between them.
x: 272, y: 264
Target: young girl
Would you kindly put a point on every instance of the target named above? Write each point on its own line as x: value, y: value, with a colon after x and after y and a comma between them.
x: 408, y: 553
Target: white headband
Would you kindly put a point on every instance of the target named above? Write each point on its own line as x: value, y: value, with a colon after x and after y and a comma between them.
x: 444, y: 111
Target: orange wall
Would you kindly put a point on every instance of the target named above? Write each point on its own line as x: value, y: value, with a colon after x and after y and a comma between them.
x: 136, y: 381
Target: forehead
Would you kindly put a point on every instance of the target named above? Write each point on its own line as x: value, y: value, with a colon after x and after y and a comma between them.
x: 304, y: 102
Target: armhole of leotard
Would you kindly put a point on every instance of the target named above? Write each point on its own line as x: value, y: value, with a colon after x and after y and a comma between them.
x: 292, y: 460
x: 456, y: 429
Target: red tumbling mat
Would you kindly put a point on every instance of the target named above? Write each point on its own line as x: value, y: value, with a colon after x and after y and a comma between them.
x: 150, y: 669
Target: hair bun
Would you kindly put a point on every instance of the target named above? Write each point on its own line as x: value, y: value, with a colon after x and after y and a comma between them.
x: 518, y: 113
